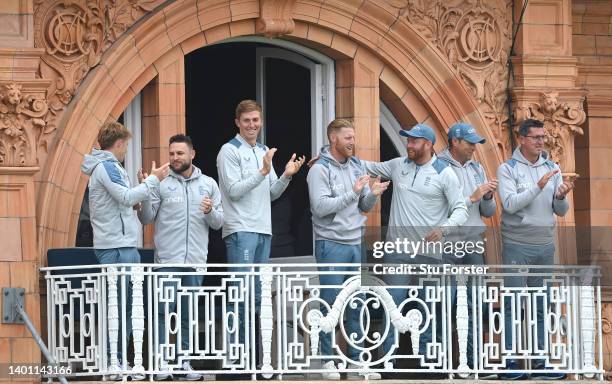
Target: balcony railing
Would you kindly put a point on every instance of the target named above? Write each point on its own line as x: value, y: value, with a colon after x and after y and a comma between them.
x: 88, y: 318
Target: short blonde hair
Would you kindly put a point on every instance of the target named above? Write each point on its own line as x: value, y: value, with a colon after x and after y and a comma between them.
x: 111, y: 132
x: 336, y: 125
x: 246, y: 106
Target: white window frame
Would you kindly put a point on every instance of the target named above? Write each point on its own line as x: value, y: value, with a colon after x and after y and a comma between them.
x: 323, y: 80
x: 132, y: 119
x: 391, y: 126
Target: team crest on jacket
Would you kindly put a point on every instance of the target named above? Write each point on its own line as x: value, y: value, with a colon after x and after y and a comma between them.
x: 202, y: 190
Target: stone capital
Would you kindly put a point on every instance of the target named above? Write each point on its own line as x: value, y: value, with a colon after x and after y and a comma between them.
x: 23, y: 128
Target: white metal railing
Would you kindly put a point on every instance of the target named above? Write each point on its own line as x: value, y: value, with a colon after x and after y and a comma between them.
x: 87, y: 321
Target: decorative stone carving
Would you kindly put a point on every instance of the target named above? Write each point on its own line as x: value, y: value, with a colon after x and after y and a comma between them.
x: 275, y: 17
x: 75, y: 34
x: 475, y: 36
x: 22, y: 126
x: 561, y: 123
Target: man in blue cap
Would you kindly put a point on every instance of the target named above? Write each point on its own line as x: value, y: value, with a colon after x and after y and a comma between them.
x: 426, y: 205
x: 478, y: 196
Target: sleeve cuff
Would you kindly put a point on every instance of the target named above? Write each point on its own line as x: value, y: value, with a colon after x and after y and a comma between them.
x: 153, y: 179
x: 468, y: 202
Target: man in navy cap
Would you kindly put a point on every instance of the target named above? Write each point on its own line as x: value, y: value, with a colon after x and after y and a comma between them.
x: 426, y: 205
x: 478, y: 196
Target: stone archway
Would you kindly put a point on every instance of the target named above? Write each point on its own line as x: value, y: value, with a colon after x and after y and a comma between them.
x: 372, y: 45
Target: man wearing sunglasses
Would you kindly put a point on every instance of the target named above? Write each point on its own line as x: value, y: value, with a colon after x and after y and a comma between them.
x: 532, y: 192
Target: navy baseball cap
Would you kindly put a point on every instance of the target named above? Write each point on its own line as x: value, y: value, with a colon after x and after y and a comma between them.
x: 420, y: 131
x: 465, y: 132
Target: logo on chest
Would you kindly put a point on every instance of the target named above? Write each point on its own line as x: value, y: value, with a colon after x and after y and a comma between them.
x: 173, y: 199
x: 520, y: 187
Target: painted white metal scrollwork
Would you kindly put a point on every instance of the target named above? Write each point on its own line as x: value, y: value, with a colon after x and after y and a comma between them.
x: 462, y: 323
x: 113, y: 316
x: 587, y: 321
x: 560, y: 306
x: 266, y: 320
x: 138, y: 316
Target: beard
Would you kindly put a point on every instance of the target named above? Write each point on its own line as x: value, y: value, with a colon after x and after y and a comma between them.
x: 181, y: 168
x: 414, y: 154
x: 344, y: 151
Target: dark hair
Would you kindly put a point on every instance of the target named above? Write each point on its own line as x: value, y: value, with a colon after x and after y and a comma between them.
x: 527, y: 125
x: 180, y: 138
x: 110, y: 132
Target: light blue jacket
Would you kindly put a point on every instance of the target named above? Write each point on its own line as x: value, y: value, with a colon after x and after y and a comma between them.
x: 471, y: 175
x: 424, y: 197
x: 111, y: 200
x: 181, y: 228
x: 528, y: 215
x: 336, y: 208
x: 246, y: 194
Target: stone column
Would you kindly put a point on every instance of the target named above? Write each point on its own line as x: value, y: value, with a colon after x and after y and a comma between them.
x: 163, y: 114
x: 358, y: 98
x: 22, y: 106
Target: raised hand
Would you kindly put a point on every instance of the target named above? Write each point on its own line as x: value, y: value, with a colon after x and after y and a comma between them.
x: 492, y: 189
x: 312, y: 161
x: 542, y: 182
x: 360, y: 183
x: 434, y: 235
x: 141, y: 175
x: 564, y: 189
x: 378, y: 187
x: 206, y: 205
x: 160, y: 172
x: 267, y: 161
x: 293, y: 165
x: 479, y: 192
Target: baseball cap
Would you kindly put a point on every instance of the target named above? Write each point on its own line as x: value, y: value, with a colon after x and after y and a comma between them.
x: 465, y: 132
x: 420, y: 130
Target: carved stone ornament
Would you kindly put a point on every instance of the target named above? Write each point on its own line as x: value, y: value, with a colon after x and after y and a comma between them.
x: 22, y: 128
x: 561, y: 123
x: 475, y: 36
x: 275, y: 17
x: 75, y: 34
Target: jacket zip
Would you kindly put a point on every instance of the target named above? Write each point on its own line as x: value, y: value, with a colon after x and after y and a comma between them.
x: 415, y: 174
x: 187, y: 232
x: 255, y: 155
x: 122, y: 225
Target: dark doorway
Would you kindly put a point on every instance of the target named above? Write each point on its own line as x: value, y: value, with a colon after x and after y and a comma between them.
x: 216, y: 79
x: 387, y: 152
